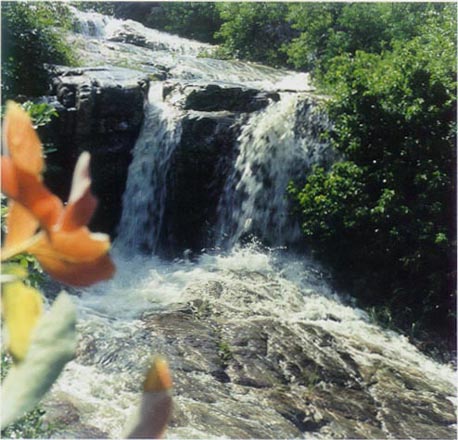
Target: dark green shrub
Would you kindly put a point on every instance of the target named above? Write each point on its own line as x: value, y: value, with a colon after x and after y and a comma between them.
x: 384, y: 218
x: 101, y: 7
x: 196, y: 20
x: 255, y: 31
x: 327, y: 30
x: 29, y: 39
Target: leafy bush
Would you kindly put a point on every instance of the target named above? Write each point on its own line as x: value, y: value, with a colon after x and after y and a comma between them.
x: 106, y: 8
x: 384, y: 217
x: 328, y: 30
x: 197, y: 20
x: 29, y: 40
x: 255, y: 31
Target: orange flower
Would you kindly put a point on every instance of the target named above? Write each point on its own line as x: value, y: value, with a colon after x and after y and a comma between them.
x: 66, y: 249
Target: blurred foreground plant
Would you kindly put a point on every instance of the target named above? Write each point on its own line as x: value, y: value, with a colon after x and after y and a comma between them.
x: 64, y: 246
x: 39, y: 224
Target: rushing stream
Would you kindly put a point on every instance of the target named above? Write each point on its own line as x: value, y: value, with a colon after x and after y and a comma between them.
x: 259, y: 345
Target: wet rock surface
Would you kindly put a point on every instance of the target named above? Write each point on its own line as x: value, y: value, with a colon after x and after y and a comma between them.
x: 300, y: 378
x: 63, y: 419
x: 242, y: 372
x: 199, y: 167
x: 100, y: 110
x: 217, y: 97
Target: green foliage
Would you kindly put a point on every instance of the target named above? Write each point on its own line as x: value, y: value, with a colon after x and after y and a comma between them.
x: 53, y: 345
x: 384, y: 217
x: 311, y: 377
x: 332, y: 202
x: 329, y: 30
x: 41, y: 113
x: 35, y: 274
x: 102, y: 7
x: 196, y: 20
x: 218, y: 53
x: 255, y: 31
x: 32, y: 425
x: 29, y: 40
x: 224, y: 352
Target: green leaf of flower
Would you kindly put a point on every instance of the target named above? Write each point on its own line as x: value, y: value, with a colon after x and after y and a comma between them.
x: 53, y: 345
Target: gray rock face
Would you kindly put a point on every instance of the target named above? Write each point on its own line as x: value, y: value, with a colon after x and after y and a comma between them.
x: 101, y: 111
x: 242, y: 371
x: 215, y: 97
x: 62, y: 413
x: 199, y: 167
x: 313, y: 385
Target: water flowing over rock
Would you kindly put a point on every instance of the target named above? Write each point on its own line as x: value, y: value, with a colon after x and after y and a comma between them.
x: 259, y: 344
x: 259, y: 347
x: 272, y: 151
x: 101, y: 111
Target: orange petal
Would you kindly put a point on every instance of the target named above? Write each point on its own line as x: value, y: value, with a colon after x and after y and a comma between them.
x: 34, y: 196
x: 9, y: 179
x: 156, y: 407
x: 22, y: 140
x: 78, y: 214
x: 158, y: 377
x: 80, y: 246
x: 82, y: 203
x: 154, y: 414
x: 77, y: 274
x: 21, y: 224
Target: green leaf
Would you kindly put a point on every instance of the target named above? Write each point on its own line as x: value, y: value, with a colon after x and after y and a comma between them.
x: 53, y: 345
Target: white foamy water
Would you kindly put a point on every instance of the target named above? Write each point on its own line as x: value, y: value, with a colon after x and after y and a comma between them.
x: 90, y: 24
x: 105, y: 386
x: 107, y: 40
x: 271, y: 153
x: 93, y: 24
x: 146, y: 188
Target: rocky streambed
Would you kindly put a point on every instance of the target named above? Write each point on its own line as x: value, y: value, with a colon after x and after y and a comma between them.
x: 256, y: 351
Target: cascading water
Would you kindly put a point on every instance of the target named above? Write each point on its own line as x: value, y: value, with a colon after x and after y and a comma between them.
x: 272, y: 151
x: 146, y: 190
x: 90, y: 24
x: 258, y: 343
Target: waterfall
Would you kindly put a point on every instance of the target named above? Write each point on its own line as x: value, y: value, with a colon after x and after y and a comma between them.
x: 146, y: 189
x: 275, y: 146
x: 90, y: 24
x: 93, y: 24
x: 259, y: 343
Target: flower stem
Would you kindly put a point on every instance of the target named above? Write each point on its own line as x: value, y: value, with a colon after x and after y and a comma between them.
x: 21, y: 247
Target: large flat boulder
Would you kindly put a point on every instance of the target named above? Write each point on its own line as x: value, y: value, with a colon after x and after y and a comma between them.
x: 246, y: 365
x: 217, y: 97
